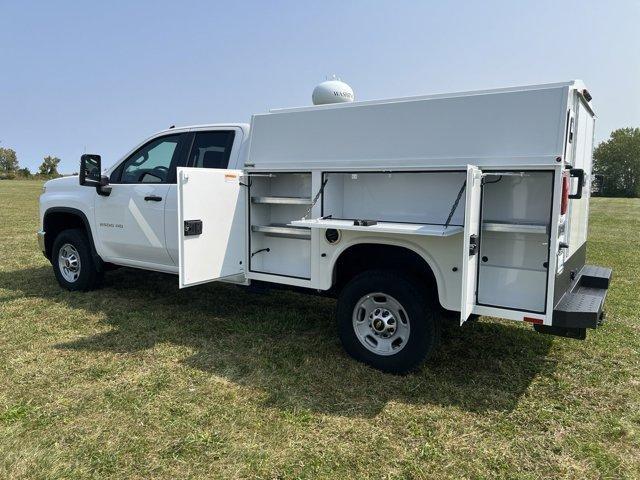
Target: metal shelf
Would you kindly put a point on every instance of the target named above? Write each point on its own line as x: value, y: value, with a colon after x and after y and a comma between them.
x: 381, y: 227
x: 510, y: 227
x: 282, y: 200
x: 282, y: 230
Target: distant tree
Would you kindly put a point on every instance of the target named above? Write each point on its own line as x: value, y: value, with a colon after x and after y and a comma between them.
x: 8, y: 162
x: 23, y: 172
x: 49, y: 167
x: 618, y: 161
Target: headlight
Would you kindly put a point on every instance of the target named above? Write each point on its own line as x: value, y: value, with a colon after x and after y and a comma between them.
x: 44, y: 188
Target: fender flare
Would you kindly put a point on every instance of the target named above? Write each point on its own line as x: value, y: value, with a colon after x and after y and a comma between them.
x: 412, y: 247
x: 87, y: 226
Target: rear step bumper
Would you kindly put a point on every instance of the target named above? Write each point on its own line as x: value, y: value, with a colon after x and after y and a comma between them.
x: 582, y: 306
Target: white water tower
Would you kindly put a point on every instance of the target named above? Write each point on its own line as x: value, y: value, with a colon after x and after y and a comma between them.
x: 332, y: 90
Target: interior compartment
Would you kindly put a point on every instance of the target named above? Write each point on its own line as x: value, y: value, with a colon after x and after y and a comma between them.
x: 410, y: 197
x: 514, y: 244
x: 275, y: 200
x: 515, y: 214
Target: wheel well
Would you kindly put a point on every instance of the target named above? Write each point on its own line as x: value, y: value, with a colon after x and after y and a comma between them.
x: 369, y: 256
x: 56, y: 221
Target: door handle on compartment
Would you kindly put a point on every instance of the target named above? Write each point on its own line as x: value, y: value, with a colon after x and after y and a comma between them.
x: 152, y: 198
x: 473, y: 245
x: 192, y: 227
x: 579, y: 174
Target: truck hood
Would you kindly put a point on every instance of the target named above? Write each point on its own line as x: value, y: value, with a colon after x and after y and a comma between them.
x: 62, y: 183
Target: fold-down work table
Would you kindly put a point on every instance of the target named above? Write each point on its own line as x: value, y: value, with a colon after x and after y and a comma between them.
x: 381, y: 227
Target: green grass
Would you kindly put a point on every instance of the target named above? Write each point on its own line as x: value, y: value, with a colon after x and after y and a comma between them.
x: 141, y: 380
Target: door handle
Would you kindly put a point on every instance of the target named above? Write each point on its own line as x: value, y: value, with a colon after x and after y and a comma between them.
x: 473, y: 245
x: 153, y: 198
x: 579, y: 174
x: 192, y: 227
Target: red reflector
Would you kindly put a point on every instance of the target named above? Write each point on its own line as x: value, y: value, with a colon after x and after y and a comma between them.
x: 565, y: 193
x: 539, y: 321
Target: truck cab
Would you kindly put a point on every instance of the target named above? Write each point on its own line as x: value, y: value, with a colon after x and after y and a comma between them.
x: 132, y: 221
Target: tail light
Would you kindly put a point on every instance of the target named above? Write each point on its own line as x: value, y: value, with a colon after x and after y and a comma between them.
x: 566, y: 185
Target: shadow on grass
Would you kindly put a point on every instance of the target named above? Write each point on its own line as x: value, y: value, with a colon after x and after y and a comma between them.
x: 285, y: 344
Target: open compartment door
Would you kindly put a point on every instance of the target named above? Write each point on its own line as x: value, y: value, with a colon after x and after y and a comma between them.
x: 471, y: 243
x: 211, y: 225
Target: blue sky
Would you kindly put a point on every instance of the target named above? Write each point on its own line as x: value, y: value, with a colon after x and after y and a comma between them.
x: 104, y: 75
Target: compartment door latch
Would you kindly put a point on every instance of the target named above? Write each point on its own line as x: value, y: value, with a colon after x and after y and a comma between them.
x: 192, y: 227
x: 473, y: 244
x: 579, y: 174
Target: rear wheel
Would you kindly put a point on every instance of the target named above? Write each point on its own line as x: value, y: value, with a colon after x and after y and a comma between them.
x: 386, y: 320
x: 73, y: 263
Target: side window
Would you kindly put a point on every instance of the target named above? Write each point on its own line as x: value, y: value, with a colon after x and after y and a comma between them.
x: 211, y: 149
x: 153, y: 163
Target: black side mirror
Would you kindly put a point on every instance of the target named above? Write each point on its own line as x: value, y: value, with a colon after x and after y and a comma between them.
x: 91, y: 174
x: 90, y: 170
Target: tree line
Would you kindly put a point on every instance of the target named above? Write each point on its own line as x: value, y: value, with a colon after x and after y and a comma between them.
x: 10, y: 167
x: 617, y: 160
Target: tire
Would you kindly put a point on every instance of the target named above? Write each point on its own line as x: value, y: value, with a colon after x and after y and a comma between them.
x: 378, y: 296
x: 73, y: 263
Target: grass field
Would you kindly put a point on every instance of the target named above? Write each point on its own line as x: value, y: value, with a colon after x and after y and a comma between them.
x: 141, y: 380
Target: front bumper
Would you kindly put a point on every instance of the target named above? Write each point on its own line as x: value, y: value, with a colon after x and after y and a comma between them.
x: 41, y: 243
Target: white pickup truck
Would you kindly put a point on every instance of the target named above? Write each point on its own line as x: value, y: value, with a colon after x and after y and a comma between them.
x: 472, y: 203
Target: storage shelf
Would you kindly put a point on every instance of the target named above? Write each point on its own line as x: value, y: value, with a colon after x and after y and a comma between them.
x: 510, y: 227
x: 282, y: 230
x: 381, y: 227
x: 282, y: 200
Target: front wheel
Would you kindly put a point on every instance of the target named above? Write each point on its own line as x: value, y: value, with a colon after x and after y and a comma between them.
x: 73, y: 264
x: 387, y: 321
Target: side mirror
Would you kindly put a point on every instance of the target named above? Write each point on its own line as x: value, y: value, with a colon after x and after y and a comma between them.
x: 90, y: 170
x: 91, y: 174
